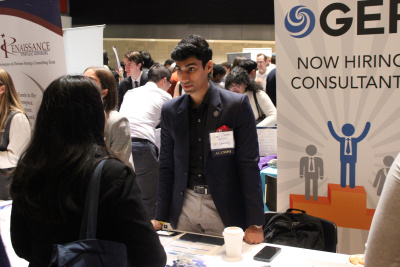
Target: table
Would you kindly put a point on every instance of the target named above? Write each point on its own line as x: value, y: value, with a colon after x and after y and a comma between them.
x: 289, y: 256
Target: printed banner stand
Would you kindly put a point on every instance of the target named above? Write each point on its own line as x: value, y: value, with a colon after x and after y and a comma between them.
x: 338, y: 125
x: 32, y: 48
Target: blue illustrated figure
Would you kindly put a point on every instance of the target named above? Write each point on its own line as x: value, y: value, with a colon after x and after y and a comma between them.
x: 348, y: 151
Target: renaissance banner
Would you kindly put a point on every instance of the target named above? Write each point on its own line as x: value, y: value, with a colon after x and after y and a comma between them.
x: 32, y: 47
x: 338, y: 109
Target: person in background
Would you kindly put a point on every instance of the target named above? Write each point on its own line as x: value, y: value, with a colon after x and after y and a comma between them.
x: 168, y: 63
x: 142, y: 107
x: 52, y: 177
x: 261, y: 75
x: 238, y: 81
x: 174, y: 82
x: 106, y: 61
x: 199, y: 189
x: 271, y: 86
x: 250, y: 66
x: 218, y: 75
x: 273, y: 59
x: 14, y: 120
x: 227, y: 66
x: 133, y: 62
x: 147, y: 60
x: 382, y: 248
x: 237, y: 61
x: 117, y: 133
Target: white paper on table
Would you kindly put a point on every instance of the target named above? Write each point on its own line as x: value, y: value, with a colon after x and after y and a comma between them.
x: 191, y: 248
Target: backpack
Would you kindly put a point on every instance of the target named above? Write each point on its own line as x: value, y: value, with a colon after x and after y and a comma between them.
x: 295, y: 229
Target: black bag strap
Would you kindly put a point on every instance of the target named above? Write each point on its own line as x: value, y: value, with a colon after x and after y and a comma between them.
x: 89, y: 220
x: 259, y: 110
x: 5, y: 138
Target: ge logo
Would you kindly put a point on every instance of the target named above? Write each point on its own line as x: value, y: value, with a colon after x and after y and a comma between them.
x: 300, y: 21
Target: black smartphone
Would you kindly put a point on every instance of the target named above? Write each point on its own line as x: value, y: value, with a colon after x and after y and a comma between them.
x: 267, y: 253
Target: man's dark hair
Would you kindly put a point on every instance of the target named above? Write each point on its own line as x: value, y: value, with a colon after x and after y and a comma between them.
x: 192, y: 46
x: 158, y: 72
x: 237, y: 61
x: 227, y: 65
x: 135, y: 57
x: 273, y: 59
x: 168, y: 62
x: 218, y: 69
x: 147, y: 60
x: 249, y: 65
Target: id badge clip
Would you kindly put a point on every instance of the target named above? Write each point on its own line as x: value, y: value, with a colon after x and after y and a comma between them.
x: 222, y: 142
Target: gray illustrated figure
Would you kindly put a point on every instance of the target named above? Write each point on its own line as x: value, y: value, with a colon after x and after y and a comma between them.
x: 348, y: 151
x: 382, y: 173
x: 311, y: 168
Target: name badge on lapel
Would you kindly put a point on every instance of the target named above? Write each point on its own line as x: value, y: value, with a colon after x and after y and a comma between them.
x: 222, y: 142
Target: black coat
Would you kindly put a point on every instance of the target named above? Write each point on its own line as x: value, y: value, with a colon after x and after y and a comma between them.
x: 121, y: 218
x: 126, y: 84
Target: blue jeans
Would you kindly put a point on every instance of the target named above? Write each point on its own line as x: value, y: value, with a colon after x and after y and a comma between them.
x: 145, y: 159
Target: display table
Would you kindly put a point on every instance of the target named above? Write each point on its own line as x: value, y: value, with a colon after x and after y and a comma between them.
x: 289, y: 256
x: 210, y: 255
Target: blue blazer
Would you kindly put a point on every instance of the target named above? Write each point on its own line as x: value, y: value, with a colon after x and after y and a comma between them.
x: 234, y: 180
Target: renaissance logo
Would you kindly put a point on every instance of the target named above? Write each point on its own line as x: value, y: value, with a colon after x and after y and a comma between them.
x: 300, y: 21
x: 10, y: 47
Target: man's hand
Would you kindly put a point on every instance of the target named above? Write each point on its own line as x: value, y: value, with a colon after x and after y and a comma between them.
x: 259, y: 81
x: 253, y: 235
x: 156, y: 224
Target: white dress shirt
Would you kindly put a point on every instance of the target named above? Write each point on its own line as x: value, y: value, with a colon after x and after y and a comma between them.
x: 142, y: 108
x: 136, y: 80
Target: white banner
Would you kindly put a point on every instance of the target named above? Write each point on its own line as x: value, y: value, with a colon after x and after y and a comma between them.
x: 338, y: 85
x: 32, y: 48
x: 83, y: 48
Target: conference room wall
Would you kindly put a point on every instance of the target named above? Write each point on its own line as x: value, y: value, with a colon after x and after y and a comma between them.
x: 160, y: 49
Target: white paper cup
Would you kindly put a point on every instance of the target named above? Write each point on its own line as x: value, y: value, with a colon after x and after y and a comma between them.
x: 233, y: 237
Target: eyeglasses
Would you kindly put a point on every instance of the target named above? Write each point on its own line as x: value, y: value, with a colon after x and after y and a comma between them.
x: 234, y: 86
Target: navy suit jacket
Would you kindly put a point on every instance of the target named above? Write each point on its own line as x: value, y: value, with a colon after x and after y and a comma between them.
x: 234, y: 180
x: 126, y: 84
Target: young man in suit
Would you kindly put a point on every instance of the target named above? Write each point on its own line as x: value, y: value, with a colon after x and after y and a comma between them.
x: 136, y: 77
x: 205, y: 186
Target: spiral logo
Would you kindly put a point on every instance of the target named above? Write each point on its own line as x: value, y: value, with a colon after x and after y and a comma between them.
x: 300, y: 21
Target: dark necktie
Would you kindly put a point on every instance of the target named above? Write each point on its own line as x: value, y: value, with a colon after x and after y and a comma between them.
x: 136, y: 84
x: 348, y: 146
x: 311, y: 165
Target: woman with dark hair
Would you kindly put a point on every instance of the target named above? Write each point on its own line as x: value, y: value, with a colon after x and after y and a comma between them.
x: 117, y: 133
x: 15, y: 131
x: 52, y: 176
x: 238, y: 81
